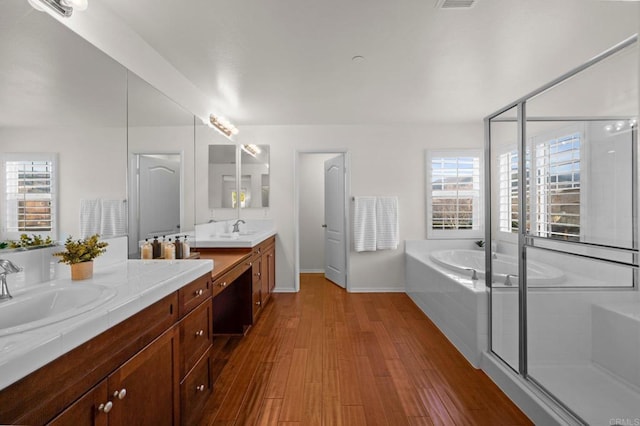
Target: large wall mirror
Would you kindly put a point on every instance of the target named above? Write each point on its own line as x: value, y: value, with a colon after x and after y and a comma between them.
x: 63, y: 129
x: 161, y: 165
x: 254, y: 176
x: 237, y: 177
x: 86, y: 146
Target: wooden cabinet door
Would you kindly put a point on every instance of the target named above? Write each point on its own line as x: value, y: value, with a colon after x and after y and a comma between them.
x: 91, y: 409
x: 256, y: 287
x: 144, y: 389
x: 270, y: 273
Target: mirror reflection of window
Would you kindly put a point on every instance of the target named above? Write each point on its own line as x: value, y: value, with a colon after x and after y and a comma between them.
x: 29, y: 199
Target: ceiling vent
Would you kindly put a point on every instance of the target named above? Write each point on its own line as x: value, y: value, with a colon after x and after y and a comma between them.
x: 455, y: 4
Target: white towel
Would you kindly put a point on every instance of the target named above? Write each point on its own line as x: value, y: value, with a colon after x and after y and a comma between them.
x: 114, y: 218
x: 90, y: 217
x: 387, y: 229
x: 364, y: 224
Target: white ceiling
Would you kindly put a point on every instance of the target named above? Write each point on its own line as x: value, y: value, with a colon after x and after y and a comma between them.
x: 289, y: 61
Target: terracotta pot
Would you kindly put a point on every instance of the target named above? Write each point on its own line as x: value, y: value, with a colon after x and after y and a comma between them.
x: 82, y: 271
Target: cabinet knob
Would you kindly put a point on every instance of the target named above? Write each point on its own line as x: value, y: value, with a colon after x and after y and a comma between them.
x: 105, y: 408
x: 199, y: 333
x: 198, y: 292
x: 223, y: 284
x: 250, y: 264
x: 258, y: 303
x: 200, y: 388
x: 120, y: 394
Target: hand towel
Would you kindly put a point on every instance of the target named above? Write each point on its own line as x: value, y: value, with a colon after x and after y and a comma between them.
x: 114, y: 218
x: 387, y: 229
x: 90, y: 217
x: 364, y: 224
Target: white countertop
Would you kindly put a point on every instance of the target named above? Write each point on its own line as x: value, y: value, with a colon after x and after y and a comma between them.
x: 137, y: 283
x: 240, y: 240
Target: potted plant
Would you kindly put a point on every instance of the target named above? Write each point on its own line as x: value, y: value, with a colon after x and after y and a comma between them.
x: 79, y: 254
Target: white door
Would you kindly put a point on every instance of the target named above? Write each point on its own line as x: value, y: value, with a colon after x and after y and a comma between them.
x: 159, y: 196
x: 334, y: 215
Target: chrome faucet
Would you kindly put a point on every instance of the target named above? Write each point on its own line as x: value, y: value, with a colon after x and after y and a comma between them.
x: 8, y: 268
x: 236, y: 226
x: 474, y: 273
x: 507, y: 280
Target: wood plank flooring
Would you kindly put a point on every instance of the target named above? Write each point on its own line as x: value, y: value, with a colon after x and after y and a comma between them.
x: 327, y: 357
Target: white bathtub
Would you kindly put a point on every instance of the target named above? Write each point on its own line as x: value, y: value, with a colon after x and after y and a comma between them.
x: 465, y: 262
x: 456, y: 304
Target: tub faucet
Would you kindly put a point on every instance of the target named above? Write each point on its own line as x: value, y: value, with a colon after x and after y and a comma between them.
x: 236, y: 226
x: 507, y: 280
x: 474, y: 273
x: 7, y: 268
x: 494, y: 255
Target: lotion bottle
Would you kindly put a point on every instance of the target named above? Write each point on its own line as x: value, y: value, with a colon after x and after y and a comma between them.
x: 147, y: 250
x: 186, y: 249
x: 179, y: 249
x: 157, y: 248
x: 169, y: 250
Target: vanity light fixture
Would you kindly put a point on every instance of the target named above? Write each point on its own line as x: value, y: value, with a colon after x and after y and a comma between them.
x: 223, y: 125
x: 62, y: 7
x: 251, y: 149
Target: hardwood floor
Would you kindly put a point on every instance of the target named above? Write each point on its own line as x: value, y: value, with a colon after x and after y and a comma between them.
x: 327, y: 357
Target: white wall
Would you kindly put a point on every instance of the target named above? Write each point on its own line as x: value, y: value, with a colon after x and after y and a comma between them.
x: 91, y: 164
x: 311, y: 201
x: 385, y: 160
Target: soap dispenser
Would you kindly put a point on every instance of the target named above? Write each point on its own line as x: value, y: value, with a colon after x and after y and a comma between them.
x: 157, y: 248
x: 178, y: 245
x: 169, y: 251
x: 186, y: 249
x: 146, y: 251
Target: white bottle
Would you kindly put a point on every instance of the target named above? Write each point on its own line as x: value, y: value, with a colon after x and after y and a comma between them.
x: 169, y: 251
x: 186, y: 249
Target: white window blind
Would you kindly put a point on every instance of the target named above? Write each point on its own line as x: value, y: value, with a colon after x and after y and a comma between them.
x: 29, y: 200
x: 557, y: 213
x: 508, y: 199
x: 556, y: 190
x: 454, y: 194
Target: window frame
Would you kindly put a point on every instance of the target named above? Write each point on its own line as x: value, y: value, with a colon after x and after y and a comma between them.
x: 478, y: 198
x: 5, y: 233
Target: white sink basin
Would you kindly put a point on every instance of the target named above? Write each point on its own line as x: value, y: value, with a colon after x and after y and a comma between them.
x: 43, y: 306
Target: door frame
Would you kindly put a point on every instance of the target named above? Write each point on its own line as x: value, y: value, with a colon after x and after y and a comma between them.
x: 296, y: 210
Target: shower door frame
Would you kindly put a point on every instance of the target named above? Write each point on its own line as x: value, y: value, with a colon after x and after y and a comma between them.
x: 525, y: 240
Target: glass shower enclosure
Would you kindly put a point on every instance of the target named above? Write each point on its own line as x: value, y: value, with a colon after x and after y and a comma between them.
x: 562, y: 192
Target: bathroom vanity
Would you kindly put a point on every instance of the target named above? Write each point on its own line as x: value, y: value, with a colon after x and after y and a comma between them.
x: 244, y: 279
x: 146, y: 355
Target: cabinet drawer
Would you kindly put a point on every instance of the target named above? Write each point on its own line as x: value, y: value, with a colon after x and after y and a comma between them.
x: 228, y: 278
x: 195, y: 336
x: 195, y: 389
x: 193, y: 294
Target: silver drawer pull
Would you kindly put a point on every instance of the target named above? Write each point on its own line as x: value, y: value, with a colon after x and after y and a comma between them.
x: 199, y: 333
x: 198, y: 292
x: 200, y: 388
x: 223, y: 284
x: 120, y: 394
x: 258, y: 303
